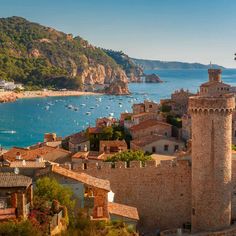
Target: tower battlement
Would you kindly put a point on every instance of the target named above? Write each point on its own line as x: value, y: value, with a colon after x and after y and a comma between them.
x: 224, y: 104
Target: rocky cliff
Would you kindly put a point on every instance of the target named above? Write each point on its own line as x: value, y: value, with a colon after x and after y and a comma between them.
x: 40, y: 56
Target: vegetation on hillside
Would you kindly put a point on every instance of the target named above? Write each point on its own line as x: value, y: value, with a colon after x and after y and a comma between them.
x: 40, y: 56
x: 126, y: 63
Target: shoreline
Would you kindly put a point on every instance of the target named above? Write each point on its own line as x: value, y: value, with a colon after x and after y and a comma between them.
x: 6, y: 96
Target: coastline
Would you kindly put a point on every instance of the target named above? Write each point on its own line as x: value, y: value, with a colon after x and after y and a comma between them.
x: 13, y: 96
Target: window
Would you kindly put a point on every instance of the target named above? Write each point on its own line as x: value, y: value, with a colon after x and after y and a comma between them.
x: 79, y: 148
x: 166, y: 134
x: 166, y: 147
x: 176, y: 148
x: 234, y: 133
x: 99, y: 211
x: 150, y: 106
x: 153, y: 149
x: 84, y: 166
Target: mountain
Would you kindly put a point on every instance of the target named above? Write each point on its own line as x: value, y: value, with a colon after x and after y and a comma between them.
x: 40, y: 56
x: 158, y: 65
x: 132, y: 70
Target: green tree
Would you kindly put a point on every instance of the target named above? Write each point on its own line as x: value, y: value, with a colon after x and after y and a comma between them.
x: 49, y: 189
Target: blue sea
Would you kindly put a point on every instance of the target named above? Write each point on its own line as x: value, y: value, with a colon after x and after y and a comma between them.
x: 30, y: 118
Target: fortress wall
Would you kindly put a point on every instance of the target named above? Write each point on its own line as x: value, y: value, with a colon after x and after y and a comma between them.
x: 162, y: 193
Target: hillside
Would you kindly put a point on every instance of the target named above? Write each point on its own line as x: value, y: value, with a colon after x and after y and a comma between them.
x: 40, y: 56
x: 157, y: 65
x: 133, y: 71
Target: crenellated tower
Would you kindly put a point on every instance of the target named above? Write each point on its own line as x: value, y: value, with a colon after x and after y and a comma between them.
x: 211, y: 114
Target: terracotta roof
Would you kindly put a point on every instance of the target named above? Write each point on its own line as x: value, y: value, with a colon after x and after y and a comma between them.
x: 123, y: 210
x: 147, y: 124
x: 30, y: 154
x: 13, y: 180
x: 143, y: 114
x: 82, y: 177
x: 80, y: 155
x: 90, y: 155
x: 27, y: 164
x: 94, y: 130
x: 113, y: 143
x: 153, y: 138
x: 209, y: 83
x: 78, y: 138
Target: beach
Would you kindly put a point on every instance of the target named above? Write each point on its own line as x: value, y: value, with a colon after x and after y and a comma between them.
x: 13, y: 96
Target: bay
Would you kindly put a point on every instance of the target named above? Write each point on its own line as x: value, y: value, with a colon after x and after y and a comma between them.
x: 25, y: 121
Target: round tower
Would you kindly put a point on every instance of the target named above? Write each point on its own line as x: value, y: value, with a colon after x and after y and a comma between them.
x: 211, y: 161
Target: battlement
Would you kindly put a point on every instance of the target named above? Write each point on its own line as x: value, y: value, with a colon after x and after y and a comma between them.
x: 166, y: 164
x: 224, y: 104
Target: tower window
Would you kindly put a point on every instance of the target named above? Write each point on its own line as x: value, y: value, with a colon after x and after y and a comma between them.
x: 166, y: 147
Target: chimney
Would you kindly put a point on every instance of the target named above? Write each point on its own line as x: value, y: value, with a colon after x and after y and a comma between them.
x: 214, y: 75
x: 18, y: 156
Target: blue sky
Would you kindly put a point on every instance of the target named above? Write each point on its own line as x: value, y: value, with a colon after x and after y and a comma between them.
x: 183, y: 30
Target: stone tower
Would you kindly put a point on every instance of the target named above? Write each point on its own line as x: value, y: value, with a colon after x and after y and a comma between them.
x: 211, y: 157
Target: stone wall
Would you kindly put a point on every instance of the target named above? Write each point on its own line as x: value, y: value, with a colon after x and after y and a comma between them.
x: 162, y: 193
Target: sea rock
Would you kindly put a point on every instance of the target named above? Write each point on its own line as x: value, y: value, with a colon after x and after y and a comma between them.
x: 105, y: 79
x: 153, y: 78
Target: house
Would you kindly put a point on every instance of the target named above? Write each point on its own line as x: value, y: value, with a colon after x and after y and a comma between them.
x: 90, y: 192
x: 127, y: 214
x: 157, y: 144
x: 44, y: 153
x: 105, y: 122
x: 112, y: 146
x: 79, y: 142
x: 16, y: 195
x: 150, y: 127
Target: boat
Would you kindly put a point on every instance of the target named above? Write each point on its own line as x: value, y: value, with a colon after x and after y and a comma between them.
x: 7, y: 131
x: 83, y: 105
x: 47, y: 107
x: 120, y: 105
x: 88, y: 113
x: 70, y: 106
x: 111, y: 114
x: 76, y: 108
x: 107, y: 107
x: 91, y: 108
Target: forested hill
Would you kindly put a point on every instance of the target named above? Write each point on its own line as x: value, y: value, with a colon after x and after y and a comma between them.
x: 157, y: 65
x: 40, y: 56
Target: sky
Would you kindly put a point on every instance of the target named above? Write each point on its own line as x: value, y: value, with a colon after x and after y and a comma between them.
x: 167, y: 30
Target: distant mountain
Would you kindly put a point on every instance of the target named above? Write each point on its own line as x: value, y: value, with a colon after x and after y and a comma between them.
x: 40, y: 56
x: 159, y: 65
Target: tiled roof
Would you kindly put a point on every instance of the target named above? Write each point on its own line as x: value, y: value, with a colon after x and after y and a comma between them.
x: 78, y: 138
x: 82, y: 177
x: 117, y: 143
x: 14, y: 180
x: 27, y: 164
x: 147, y: 124
x: 94, y: 130
x: 152, y: 138
x: 209, y: 83
x: 30, y: 154
x: 123, y: 210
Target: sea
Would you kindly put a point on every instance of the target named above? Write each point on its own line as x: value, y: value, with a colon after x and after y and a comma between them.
x: 24, y: 122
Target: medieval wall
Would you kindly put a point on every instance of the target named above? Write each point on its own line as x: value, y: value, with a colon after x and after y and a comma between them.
x: 161, y: 193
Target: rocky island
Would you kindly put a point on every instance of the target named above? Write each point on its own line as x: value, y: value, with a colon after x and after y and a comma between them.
x: 153, y: 78
x: 42, y: 57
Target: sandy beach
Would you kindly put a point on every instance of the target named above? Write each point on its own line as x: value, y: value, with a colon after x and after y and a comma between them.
x: 13, y: 96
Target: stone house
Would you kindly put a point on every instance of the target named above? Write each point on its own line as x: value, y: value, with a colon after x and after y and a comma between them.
x: 16, y: 195
x: 150, y: 127
x: 112, y: 146
x: 157, y: 144
x: 79, y: 142
x: 146, y: 106
x: 92, y: 193
x: 186, y: 127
